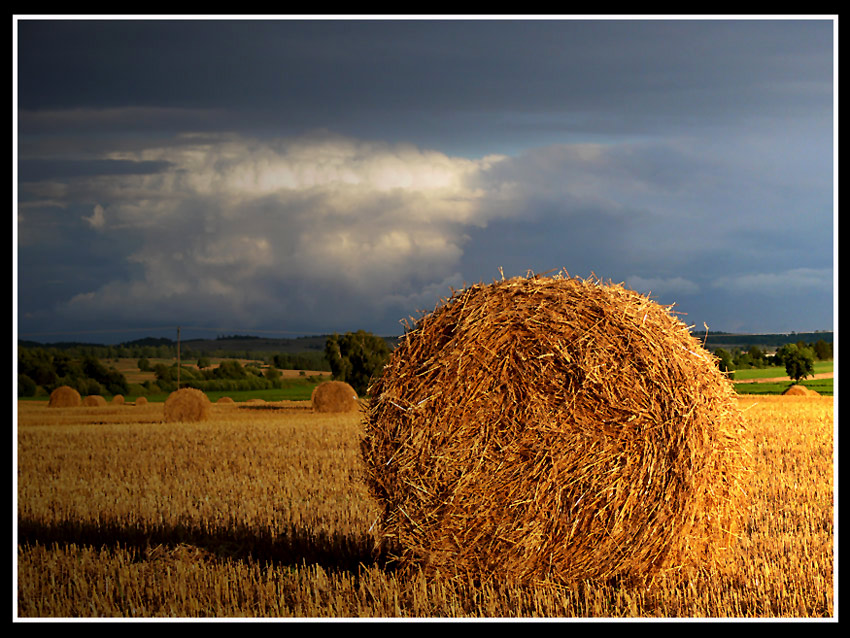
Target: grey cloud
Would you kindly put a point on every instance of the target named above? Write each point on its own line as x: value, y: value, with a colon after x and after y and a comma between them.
x: 778, y: 283
x: 37, y: 169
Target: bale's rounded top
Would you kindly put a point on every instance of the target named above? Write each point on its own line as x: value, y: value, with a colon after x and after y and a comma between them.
x: 552, y: 427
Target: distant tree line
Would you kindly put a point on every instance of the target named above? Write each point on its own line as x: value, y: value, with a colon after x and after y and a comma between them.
x: 42, y: 371
x: 86, y: 369
x: 314, y: 360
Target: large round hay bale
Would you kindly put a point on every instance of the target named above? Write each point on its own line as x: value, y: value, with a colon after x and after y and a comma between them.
x: 94, y: 401
x: 334, y: 396
x: 141, y: 401
x: 186, y: 404
x: 64, y: 397
x: 118, y: 399
x: 554, y: 428
x: 224, y: 400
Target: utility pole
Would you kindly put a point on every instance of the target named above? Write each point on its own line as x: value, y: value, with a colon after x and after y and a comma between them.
x: 178, y: 357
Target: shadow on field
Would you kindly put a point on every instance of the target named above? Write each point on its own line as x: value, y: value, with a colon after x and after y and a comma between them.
x: 297, y: 547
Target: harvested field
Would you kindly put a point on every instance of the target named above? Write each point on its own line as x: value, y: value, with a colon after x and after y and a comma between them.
x: 264, y: 513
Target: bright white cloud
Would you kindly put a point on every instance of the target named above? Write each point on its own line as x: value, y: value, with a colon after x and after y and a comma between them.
x: 234, y: 221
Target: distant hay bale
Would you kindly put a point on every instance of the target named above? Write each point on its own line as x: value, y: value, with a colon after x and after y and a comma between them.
x: 141, y: 401
x: 118, y: 399
x: 64, y: 397
x: 94, y: 401
x: 185, y: 405
x: 800, y: 391
x: 554, y: 428
x: 334, y: 396
x: 224, y: 400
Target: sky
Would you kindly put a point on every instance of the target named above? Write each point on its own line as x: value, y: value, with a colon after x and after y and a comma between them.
x: 284, y: 176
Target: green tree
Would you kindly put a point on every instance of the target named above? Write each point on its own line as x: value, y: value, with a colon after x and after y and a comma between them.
x: 799, y: 362
x: 356, y: 357
x: 230, y: 369
x: 26, y: 386
x: 203, y: 362
x: 724, y: 360
x: 144, y: 364
x: 823, y: 350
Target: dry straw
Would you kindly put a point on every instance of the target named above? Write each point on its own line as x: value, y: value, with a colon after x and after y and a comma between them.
x: 118, y: 399
x: 334, y: 396
x: 94, y: 400
x: 64, y: 397
x: 141, y: 401
x: 186, y: 404
x: 223, y: 400
x: 554, y: 428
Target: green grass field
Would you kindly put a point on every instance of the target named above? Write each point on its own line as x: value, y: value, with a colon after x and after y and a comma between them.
x: 821, y: 386
x: 821, y: 367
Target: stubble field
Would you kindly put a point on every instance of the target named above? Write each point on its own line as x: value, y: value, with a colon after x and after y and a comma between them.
x: 261, y: 512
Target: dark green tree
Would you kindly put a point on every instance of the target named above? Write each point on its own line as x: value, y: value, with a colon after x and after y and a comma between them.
x: 230, y: 369
x: 799, y: 362
x: 26, y: 386
x: 724, y: 360
x: 823, y: 350
x: 356, y: 357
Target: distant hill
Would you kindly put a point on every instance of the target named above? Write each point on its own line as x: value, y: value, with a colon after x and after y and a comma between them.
x: 727, y: 341
x: 236, y: 343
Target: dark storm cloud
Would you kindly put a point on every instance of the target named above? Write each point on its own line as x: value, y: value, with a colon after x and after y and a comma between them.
x: 595, y: 76
x: 330, y: 175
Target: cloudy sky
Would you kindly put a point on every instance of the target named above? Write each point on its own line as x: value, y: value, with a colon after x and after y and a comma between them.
x: 284, y: 176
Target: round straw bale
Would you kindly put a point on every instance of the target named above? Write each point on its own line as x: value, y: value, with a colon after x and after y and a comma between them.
x: 64, y: 397
x: 186, y: 404
x: 118, y: 399
x: 225, y: 400
x: 554, y: 428
x: 334, y: 396
x: 800, y: 391
x: 94, y: 400
x: 141, y: 400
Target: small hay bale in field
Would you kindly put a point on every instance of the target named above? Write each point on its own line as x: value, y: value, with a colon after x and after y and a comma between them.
x: 94, y: 401
x: 141, y: 401
x: 800, y: 391
x: 186, y: 404
x: 118, y: 399
x: 334, y: 396
x: 224, y: 400
x: 64, y: 397
x: 554, y: 428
